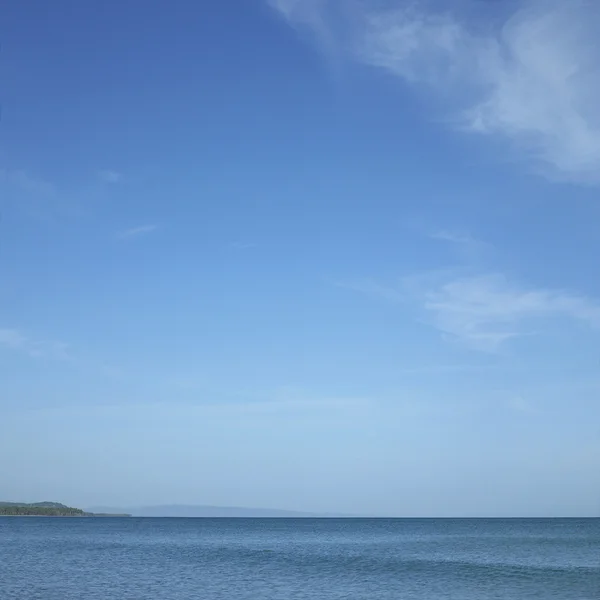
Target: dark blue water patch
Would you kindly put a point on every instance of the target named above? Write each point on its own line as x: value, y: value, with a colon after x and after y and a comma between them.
x: 181, y: 559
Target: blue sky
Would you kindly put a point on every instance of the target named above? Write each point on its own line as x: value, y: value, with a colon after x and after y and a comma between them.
x: 317, y: 255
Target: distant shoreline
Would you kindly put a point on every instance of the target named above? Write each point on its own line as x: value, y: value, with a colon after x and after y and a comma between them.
x: 317, y: 518
x: 67, y: 516
x: 51, y: 509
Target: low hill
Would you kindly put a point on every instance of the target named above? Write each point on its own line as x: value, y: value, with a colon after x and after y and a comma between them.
x: 44, y: 509
x: 36, y: 504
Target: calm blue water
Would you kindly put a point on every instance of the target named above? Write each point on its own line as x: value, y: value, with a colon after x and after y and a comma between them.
x: 234, y: 559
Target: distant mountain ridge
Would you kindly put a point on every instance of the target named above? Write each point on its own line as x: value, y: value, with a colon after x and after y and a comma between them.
x: 186, y: 510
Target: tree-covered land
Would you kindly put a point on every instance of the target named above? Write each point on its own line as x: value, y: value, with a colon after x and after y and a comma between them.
x: 42, y: 509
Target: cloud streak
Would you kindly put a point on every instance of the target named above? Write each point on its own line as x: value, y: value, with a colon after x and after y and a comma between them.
x: 454, y: 237
x: 242, y: 245
x: 16, y: 340
x: 483, y: 312
x: 136, y: 231
x: 530, y: 76
x: 26, y: 182
x: 110, y: 176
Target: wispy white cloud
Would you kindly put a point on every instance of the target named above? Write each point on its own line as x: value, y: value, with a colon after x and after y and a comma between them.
x: 136, y: 231
x: 242, y: 245
x: 530, y: 75
x: 16, y: 340
x: 521, y: 405
x: 318, y: 16
x: 373, y: 288
x: 315, y: 408
x: 453, y: 237
x: 483, y: 311
x: 299, y: 10
x: 26, y: 182
x: 110, y: 176
x: 45, y: 200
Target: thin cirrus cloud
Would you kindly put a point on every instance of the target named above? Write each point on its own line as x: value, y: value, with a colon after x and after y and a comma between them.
x: 134, y: 232
x: 474, y: 250
x: 14, y: 339
x: 26, y: 182
x: 454, y: 237
x: 110, y: 176
x: 484, y: 311
x: 527, y: 72
x: 239, y: 245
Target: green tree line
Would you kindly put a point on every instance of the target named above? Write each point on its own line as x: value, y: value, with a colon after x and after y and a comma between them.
x: 30, y: 510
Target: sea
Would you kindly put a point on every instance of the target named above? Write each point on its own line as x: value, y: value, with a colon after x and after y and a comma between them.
x: 298, y: 559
